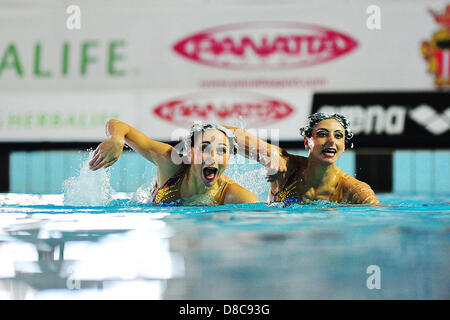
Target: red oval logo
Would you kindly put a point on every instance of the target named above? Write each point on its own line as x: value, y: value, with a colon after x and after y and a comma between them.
x: 265, y: 45
x: 222, y: 107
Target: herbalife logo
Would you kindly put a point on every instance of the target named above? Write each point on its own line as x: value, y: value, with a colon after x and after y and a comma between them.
x: 432, y: 121
x: 71, y: 59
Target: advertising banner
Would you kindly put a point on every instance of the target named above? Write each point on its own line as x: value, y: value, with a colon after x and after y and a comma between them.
x: 320, y: 45
x: 161, y: 114
x: 62, y: 117
x: 394, y: 119
x: 269, y: 114
x: 67, y: 68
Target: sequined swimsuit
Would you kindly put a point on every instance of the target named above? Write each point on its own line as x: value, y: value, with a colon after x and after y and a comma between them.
x: 170, y: 192
x: 288, y: 194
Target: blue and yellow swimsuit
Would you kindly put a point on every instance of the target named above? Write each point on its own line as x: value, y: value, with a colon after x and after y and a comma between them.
x: 288, y: 194
x: 170, y: 192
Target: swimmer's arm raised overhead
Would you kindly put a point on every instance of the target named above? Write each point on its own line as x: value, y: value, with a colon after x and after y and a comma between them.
x: 269, y: 155
x: 238, y: 194
x: 119, y: 133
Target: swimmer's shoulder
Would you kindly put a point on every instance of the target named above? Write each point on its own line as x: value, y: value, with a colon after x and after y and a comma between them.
x: 356, y: 191
x: 349, y: 182
x: 233, y: 192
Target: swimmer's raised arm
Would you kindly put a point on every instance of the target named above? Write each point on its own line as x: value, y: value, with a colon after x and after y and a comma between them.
x: 269, y: 155
x: 119, y: 133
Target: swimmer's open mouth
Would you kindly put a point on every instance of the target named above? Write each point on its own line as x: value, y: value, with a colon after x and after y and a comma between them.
x: 329, y: 152
x: 210, y: 173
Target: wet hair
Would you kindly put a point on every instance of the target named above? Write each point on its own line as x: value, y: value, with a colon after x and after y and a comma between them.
x: 199, y: 128
x: 315, y: 118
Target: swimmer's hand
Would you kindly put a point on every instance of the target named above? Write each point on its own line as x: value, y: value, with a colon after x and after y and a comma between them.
x: 276, y: 167
x: 107, y: 153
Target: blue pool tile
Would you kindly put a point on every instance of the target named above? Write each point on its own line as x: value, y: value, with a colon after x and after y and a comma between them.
x: 347, y: 163
x: 424, y: 172
x: 127, y: 172
x: 441, y: 177
x: 56, y: 174
x: 136, y: 171
x: 38, y: 171
x: 115, y: 176
x: 403, y: 175
x: 17, y: 172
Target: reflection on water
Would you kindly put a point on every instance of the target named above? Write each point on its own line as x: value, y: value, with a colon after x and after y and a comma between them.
x: 134, y: 251
x: 53, y: 256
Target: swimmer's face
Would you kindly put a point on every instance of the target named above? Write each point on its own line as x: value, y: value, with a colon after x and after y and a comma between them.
x: 210, y: 155
x: 327, y: 142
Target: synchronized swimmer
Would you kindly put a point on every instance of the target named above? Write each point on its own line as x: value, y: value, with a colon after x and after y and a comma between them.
x: 317, y: 177
x: 200, y: 179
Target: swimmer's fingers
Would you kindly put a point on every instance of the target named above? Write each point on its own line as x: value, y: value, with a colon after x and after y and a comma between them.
x: 95, y: 158
x: 270, y: 171
x: 107, y: 152
x: 96, y: 164
x: 282, y: 167
x: 109, y: 164
x: 100, y: 163
x: 281, y: 164
x: 277, y: 163
x: 275, y: 170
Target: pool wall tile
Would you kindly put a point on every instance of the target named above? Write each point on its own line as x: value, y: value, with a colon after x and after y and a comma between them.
x: 403, y: 176
x: 441, y: 177
x: 37, y: 170
x: 17, y: 172
x: 40, y: 172
x: 424, y: 172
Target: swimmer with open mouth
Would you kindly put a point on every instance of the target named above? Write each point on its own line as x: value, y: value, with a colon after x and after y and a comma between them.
x: 198, y: 176
x: 316, y: 177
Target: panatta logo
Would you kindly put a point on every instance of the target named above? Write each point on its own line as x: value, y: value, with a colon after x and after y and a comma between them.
x: 254, y: 109
x: 265, y: 45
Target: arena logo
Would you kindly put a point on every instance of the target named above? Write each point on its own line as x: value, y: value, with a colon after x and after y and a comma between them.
x: 224, y: 107
x: 374, y: 119
x: 431, y: 120
x: 265, y: 45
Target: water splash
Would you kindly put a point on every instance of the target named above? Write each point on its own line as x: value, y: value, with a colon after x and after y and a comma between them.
x: 250, y: 175
x: 143, y: 193
x: 89, y: 188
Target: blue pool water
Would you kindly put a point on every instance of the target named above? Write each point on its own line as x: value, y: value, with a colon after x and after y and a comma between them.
x: 129, y: 250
